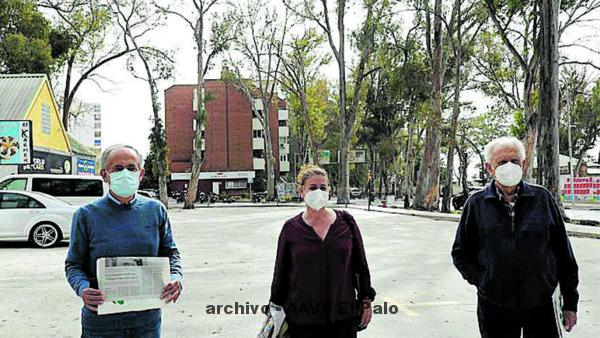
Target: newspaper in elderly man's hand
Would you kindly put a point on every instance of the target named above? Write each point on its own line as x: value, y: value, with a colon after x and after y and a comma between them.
x: 131, y: 283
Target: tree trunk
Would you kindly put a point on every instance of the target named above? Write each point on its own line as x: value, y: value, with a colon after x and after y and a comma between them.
x: 408, y: 170
x: 197, y: 159
x: 455, y: 113
x: 160, y: 145
x: 427, y: 192
x: 269, y: 155
x: 309, y: 129
x: 548, y: 152
x: 531, y: 128
x: 344, y: 167
x: 67, y: 99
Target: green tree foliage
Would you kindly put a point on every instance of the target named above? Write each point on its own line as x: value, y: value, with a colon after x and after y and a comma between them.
x: 28, y: 42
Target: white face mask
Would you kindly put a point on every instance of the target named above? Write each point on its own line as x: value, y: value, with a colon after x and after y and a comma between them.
x: 316, y: 199
x: 509, y: 174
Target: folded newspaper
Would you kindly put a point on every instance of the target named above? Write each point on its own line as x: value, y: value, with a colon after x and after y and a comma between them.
x: 558, y: 313
x: 131, y: 283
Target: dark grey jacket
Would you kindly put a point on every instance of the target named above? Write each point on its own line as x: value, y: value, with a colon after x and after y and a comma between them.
x: 516, y: 262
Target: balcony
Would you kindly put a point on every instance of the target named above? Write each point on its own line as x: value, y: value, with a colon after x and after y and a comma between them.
x: 258, y: 163
x: 284, y: 148
x: 283, y: 114
x: 258, y: 105
x: 256, y: 125
x: 284, y: 166
x: 258, y: 143
x: 284, y: 131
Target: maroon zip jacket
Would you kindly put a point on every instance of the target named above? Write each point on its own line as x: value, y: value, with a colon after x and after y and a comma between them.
x: 321, y: 281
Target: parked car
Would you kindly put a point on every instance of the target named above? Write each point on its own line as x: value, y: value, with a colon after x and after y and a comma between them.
x: 355, y: 192
x: 148, y: 193
x: 459, y: 200
x: 72, y: 189
x: 35, y: 217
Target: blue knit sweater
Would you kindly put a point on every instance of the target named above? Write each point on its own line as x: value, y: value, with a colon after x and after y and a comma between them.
x: 109, y: 228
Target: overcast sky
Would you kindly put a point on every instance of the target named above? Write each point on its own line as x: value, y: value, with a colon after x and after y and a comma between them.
x: 126, y: 107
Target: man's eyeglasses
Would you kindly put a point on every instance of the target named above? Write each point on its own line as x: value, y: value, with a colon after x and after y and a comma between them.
x: 131, y: 167
x: 513, y: 161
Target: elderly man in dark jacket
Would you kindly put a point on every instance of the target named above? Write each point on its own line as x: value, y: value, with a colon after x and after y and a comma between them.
x: 511, y: 244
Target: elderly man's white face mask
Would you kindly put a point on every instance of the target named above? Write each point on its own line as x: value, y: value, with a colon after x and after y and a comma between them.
x: 509, y: 174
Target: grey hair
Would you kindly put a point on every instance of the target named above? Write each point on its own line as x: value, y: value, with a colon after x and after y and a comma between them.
x: 109, y: 150
x: 503, y: 142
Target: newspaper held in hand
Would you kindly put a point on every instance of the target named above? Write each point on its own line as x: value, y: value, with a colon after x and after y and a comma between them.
x: 131, y: 283
x: 558, y: 313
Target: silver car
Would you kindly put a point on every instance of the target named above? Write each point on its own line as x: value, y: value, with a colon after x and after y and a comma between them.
x: 38, y: 218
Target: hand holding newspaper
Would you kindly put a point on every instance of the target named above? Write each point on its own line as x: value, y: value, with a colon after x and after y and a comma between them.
x: 131, y: 283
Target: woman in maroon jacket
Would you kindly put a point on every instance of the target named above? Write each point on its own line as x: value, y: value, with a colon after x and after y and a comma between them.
x: 321, y: 274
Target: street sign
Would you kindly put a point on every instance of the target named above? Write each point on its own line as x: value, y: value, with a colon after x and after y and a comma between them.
x: 357, y: 156
x: 16, y: 146
x: 324, y: 157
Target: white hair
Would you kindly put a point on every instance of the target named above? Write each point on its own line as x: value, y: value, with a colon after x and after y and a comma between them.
x: 106, y: 154
x: 504, y: 142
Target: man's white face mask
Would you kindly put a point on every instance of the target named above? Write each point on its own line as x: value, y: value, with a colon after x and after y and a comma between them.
x: 509, y: 174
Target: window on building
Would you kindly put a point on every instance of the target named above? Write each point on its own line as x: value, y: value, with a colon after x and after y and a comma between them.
x: 97, y: 125
x: 97, y: 134
x: 235, y: 185
x: 97, y: 117
x: 203, y: 154
x: 46, y: 128
x: 257, y: 153
x: 203, y: 134
x: 257, y: 133
x: 283, y: 158
x: 283, y: 123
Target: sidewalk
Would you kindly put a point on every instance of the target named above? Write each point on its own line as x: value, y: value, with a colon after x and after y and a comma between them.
x: 584, y: 231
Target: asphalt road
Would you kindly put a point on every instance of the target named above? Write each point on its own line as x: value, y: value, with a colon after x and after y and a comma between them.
x: 228, y: 256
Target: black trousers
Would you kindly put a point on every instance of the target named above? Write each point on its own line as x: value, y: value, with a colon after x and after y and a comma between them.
x: 339, y: 329
x: 497, y: 322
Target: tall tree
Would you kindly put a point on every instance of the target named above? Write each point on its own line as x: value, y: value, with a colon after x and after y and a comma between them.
x: 259, y: 39
x: 427, y: 191
x: 300, y: 70
x: 548, y: 155
x: 581, y: 105
x: 28, y: 42
x: 365, y: 43
x: 136, y: 19
x: 93, y: 44
x: 471, y: 19
x: 518, y: 25
x: 206, y: 51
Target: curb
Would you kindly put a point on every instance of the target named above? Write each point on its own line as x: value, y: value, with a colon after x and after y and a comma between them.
x: 579, y: 233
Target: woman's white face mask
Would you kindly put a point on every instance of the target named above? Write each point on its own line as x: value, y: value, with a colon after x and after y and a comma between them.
x: 316, y: 199
x: 509, y: 174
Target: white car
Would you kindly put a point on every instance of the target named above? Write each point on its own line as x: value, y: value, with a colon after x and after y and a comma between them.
x: 36, y: 217
x: 73, y: 189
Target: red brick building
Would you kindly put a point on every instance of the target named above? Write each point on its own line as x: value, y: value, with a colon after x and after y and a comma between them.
x: 233, y: 140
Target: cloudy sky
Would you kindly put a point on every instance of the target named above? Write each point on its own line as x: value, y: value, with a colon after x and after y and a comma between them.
x: 125, y: 101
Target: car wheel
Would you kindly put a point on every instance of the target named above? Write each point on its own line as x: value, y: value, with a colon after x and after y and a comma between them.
x: 45, y: 235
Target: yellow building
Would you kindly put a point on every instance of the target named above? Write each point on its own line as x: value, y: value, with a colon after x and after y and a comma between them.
x: 30, y: 97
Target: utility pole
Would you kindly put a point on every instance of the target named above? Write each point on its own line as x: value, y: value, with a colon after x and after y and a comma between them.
x: 571, y: 176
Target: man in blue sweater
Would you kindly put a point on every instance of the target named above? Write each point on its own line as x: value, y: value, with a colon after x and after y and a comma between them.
x: 120, y: 224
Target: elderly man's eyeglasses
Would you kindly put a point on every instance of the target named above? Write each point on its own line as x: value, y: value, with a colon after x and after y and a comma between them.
x: 513, y: 161
x: 131, y: 167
